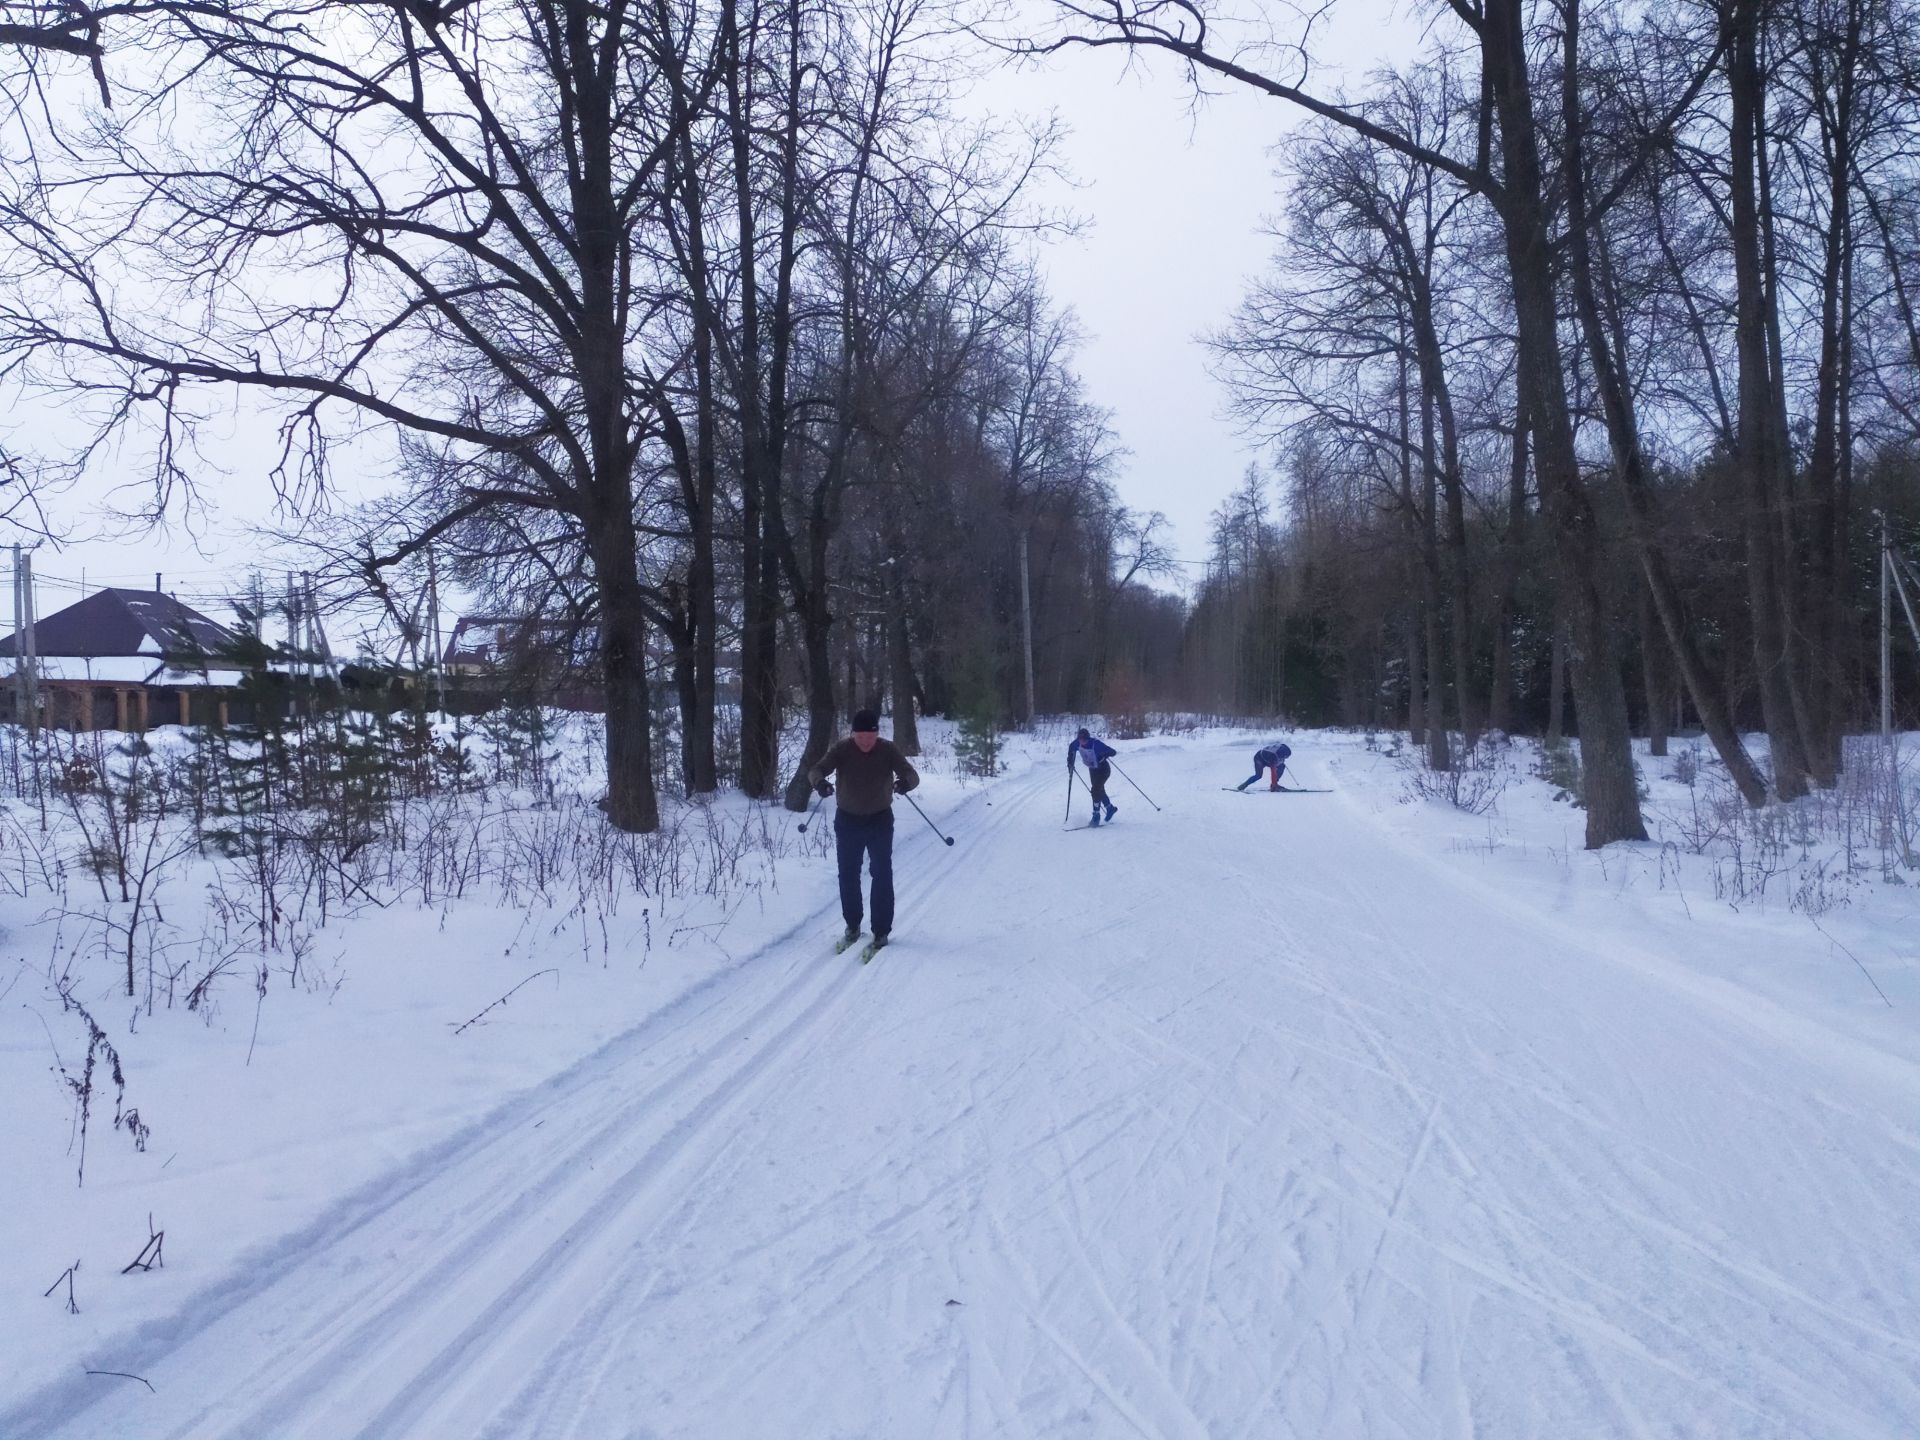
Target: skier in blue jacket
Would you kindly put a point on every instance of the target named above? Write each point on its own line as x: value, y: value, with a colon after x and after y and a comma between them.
x: 1094, y: 753
x: 1268, y: 757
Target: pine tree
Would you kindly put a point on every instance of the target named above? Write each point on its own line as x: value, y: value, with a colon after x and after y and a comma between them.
x: 978, y: 745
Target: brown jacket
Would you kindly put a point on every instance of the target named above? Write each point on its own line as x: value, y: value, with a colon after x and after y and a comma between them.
x: 867, y: 782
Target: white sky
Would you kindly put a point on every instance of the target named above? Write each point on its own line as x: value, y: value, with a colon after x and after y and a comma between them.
x: 1174, y: 194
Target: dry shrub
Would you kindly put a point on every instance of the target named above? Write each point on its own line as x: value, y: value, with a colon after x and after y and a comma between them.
x: 1125, y: 706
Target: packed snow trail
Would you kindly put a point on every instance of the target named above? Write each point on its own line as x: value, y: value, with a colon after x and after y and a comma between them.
x: 1240, y: 1119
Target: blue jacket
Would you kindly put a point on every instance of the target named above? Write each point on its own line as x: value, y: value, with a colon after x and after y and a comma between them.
x: 1102, y: 752
x: 1274, y: 754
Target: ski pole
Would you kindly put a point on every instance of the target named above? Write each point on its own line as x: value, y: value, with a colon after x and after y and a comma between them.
x: 1069, y: 815
x: 817, y: 801
x: 1129, y: 779
x: 923, y: 815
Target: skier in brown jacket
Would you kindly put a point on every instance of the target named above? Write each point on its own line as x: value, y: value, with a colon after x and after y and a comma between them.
x: 871, y: 772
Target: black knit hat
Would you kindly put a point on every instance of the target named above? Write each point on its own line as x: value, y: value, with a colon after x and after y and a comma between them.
x: 865, y: 720
x: 1083, y: 733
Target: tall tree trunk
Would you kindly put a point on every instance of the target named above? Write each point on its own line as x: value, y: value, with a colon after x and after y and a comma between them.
x: 816, y: 639
x: 762, y: 396
x: 696, y: 463
x: 691, y: 616
x: 1653, y: 675
x: 759, y: 723
x: 1799, y: 662
x: 1439, y: 745
x: 632, y: 804
x: 1437, y: 408
x: 1607, y: 354
x: 1612, y: 791
x: 1557, y: 681
x: 1755, y: 452
x: 611, y: 539
x: 1844, y: 637
x: 1834, y: 80
x: 686, y: 691
x: 906, y: 728
x: 702, y: 765
x: 1424, y: 549
x: 1416, y: 683
x: 1500, y: 701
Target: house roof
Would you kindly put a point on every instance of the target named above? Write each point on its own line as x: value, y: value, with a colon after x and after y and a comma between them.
x: 129, y: 670
x: 485, y: 639
x: 128, y: 622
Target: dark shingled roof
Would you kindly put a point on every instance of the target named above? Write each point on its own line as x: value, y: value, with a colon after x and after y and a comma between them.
x: 128, y: 622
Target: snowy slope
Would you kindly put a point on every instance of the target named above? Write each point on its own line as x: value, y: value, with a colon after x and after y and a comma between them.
x: 1262, y: 1116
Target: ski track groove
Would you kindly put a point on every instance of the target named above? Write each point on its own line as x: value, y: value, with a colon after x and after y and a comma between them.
x: 339, y: 1341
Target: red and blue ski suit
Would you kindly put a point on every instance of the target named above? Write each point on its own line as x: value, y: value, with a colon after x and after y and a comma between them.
x: 1268, y: 757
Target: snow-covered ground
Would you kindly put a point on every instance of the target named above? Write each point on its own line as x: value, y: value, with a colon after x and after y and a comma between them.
x: 1339, y: 1114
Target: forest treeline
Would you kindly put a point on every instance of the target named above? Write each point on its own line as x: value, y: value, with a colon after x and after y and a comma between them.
x: 1590, y: 347
x: 710, y: 329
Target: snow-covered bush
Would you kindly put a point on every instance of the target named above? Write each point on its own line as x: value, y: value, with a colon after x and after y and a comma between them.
x: 1816, y: 851
x: 1685, y: 769
x: 1472, y: 785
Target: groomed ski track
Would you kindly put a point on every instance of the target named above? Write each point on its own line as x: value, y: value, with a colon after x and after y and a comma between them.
x: 1247, y: 1120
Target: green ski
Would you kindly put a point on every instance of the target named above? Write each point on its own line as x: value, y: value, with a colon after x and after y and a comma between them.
x: 874, y: 947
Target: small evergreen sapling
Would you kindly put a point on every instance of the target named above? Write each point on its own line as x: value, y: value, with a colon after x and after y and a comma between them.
x: 978, y: 744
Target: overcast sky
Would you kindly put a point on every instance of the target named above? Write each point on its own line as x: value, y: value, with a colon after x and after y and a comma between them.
x: 1173, y: 194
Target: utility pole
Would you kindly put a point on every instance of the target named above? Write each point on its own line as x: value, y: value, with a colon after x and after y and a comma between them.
x: 1026, y: 618
x: 1902, y: 576
x: 30, y: 644
x: 316, y: 632
x: 20, y: 644
x: 1894, y: 574
x: 1886, y: 635
x: 436, y: 673
x: 295, y: 668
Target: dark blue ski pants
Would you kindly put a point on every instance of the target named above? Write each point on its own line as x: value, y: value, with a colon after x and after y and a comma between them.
x: 1097, y: 778
x: 870, y: 836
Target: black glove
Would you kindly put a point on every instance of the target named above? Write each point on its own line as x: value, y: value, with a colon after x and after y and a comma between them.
x: 823, y: 789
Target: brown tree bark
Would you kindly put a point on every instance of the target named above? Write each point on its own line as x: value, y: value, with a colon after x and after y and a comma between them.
x: 1557, y: 682
x: 1607, y: 354
x: 1444, y: 460
x: 1500, y: 700
x: 1653, y: 676
x: 1419, y: 512
x: 1416, y: 683
x: 1439, y: 740
x: 761, y: 390
x: 1832, y: 61
x: 906, y: 728
x: 1755, y: 453
x: 1612, y: 792
x: 632, y: 803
